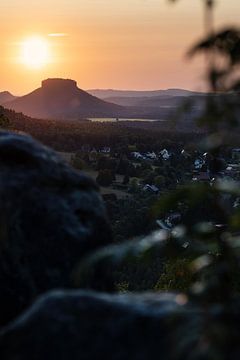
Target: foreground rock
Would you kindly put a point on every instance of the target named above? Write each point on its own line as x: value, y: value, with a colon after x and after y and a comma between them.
x: 85, y: 325
x: 50, y: 217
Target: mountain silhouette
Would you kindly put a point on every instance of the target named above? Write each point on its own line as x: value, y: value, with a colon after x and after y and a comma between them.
x: 62, y: 99
x: 6, y: 96
x: 111, y: 93
x: 157, y: 101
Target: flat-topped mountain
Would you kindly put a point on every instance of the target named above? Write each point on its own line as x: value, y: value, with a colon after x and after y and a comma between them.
x: 6, y: 96
x: 62, y: 99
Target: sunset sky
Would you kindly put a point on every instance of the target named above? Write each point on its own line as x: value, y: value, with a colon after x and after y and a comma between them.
x: 126, y: 44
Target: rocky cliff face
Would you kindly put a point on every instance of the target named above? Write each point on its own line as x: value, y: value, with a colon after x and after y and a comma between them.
x: 50, y: 217
x: 59, y: 84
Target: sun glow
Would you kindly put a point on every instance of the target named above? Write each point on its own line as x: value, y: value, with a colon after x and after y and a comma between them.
x: 35, y: 52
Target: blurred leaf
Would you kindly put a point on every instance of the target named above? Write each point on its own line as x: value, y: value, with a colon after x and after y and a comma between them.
x: 228, y: 186
x: 211, y: 142
x: 235, y: 221
x: 190, y: 194
x: 202, y: 262
x: 226, y: 42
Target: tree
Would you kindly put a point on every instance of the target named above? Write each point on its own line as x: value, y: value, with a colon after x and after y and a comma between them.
x: 159, y: 181
x: 126, y: 180
x: 4, y: 122
x: 78, y: 163
x: 105, y: 177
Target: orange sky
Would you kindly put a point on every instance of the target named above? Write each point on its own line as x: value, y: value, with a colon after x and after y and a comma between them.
x: 126, y: 44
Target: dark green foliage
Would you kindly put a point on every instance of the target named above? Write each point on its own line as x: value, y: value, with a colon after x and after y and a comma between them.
x: 78, y: 163
x: 176, y: 275
x: 132, y: 216
x: 126, y: 180
x: 105, y: 177
x: 4, y: 120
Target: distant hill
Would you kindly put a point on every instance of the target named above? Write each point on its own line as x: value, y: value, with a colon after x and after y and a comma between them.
x: 6, y: 96
x: 109, y: 93
x: 62, y: 99
x: 157, y: 101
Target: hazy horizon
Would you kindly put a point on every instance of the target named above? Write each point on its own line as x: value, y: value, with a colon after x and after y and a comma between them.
x: 102, y: 89
x: 127, y: 45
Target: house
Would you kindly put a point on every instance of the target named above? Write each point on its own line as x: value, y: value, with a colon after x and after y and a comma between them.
x: 236, y: 154
x: 198, y: 163
x: 151, y: 155
x: 173, y: 219
x: 137, y: 155
x: 85, y: 148
x: 165, y: 154
x: 151, y: 188
x: 185, y: 154
x: 232, y: 170
x: 163, y: 225
x: 93, y: 155
x: 202, y: 176
x: 105, y: 150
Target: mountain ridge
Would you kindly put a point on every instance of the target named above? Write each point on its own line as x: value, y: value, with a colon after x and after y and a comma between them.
x: 108, y: 93
x: 6, y: 96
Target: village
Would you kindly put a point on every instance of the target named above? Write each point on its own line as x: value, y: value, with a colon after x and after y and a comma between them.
x: 153, y: 172
x: 132, y: 181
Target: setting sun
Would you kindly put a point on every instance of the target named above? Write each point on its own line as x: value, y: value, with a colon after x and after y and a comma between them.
x: 35, y: 52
